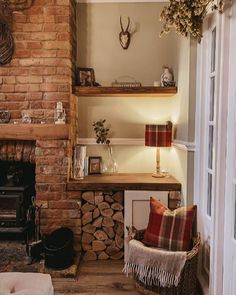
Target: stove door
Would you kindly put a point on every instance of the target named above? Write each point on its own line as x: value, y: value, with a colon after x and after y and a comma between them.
x: 11, y: 213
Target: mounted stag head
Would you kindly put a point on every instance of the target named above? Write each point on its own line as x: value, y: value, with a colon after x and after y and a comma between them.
x: 124, y: 35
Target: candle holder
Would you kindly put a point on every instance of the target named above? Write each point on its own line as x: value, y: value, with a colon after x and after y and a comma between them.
x: 59, y: 114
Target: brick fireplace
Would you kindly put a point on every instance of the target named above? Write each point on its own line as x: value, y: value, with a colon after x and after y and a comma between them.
x: 39, y: 75
x: 60, y: 208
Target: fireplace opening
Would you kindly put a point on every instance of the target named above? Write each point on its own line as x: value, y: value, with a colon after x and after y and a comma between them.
x: 13, y: 173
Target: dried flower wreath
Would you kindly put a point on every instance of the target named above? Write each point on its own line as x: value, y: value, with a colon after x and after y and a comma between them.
x: 7, y: 46
x: 186, y: 16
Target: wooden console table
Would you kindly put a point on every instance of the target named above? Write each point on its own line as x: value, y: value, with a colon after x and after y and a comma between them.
x: 125, y: 181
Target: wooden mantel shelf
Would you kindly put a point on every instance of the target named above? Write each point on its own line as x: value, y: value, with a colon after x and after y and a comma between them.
x: 33, y: 131
x: 125, y: 91
x: 125, y: 181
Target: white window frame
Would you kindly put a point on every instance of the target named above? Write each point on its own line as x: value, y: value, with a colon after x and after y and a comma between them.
x: 212, y: 227
x: 230, y: 191
x: 202, y: 134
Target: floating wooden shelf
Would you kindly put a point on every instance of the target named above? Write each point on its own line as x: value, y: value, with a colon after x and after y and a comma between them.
x: 125, y: 181
x: 125, y: 91
x: 33, y: 131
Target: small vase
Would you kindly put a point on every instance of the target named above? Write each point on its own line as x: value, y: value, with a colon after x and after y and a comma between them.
x: 111, y: 165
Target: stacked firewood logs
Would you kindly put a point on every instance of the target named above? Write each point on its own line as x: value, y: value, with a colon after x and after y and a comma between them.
x: 102, y: 225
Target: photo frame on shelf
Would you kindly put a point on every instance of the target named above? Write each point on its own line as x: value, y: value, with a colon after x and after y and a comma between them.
x: 85, y: 77
x: 95, y: 165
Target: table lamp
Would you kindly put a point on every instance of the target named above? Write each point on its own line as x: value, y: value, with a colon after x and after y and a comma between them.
x: 158, y: 136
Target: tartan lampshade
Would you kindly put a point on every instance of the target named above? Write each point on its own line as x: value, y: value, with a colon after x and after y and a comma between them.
x: 158, y: 135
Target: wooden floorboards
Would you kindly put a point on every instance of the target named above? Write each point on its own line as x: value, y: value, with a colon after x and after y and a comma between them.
x: 98, y: 277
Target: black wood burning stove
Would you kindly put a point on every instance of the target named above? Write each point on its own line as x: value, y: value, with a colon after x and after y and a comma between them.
x: 16, y: 191
x: 14, y: 205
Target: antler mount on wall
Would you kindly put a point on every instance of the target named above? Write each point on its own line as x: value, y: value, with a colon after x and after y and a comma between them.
x: 124, y: 35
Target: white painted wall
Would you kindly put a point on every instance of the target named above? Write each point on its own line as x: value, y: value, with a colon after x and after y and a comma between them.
x: 99, y: 48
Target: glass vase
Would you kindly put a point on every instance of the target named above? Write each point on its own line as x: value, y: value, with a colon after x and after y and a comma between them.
x: 111, y: 165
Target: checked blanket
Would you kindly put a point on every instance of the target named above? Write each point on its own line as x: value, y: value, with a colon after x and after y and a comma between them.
x: 154, y: 266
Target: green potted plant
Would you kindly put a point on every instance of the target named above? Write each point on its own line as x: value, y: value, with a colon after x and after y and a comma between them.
x: 102, y: 133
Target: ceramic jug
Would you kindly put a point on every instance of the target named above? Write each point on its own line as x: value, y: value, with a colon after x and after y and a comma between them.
x: 166, y: 77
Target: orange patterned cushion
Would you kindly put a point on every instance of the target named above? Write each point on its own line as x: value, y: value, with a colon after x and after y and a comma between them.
x: 171, y: 230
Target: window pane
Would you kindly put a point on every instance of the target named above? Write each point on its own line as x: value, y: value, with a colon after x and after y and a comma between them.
x: 209, y: 194
x: 210, y: 147
x: 213, y: 50
x: 234, y: 159
x: 235, y: 212
x: 212, y: 99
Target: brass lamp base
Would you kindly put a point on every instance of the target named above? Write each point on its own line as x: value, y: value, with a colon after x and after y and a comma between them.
x: 158, y: 175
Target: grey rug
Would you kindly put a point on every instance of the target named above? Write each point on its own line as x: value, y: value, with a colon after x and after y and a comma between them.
x: 13, y: 257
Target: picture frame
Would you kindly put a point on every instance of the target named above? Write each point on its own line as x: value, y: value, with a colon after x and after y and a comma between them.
x: 85, y: 77
x: 95, y: 165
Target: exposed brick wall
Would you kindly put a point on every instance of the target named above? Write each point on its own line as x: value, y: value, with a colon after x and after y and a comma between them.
x: 51, y: 175
x: 40, y: 74
x: 59, y: 208
x: 73, y: 38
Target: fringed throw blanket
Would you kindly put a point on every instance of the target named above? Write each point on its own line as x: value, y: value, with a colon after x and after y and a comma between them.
x: 154, y: 267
